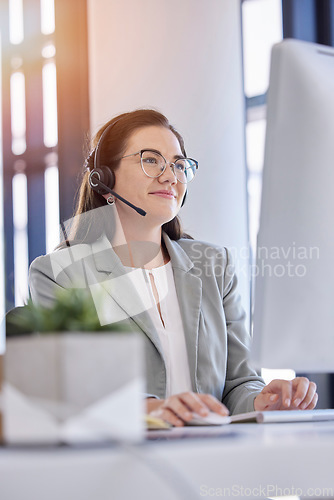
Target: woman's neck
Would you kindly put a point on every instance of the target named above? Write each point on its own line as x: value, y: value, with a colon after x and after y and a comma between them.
x: 138, y: 244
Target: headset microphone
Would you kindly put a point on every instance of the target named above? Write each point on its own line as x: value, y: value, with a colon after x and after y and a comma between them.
x: 96, y: 184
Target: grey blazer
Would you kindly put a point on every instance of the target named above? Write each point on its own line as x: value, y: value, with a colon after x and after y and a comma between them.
x: 213, y: 319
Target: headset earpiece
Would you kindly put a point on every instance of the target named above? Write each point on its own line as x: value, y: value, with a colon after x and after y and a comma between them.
x: 104, y: 175
x: 184, y: 198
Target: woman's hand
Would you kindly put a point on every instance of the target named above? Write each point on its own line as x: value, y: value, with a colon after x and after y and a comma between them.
x: 178, y: 409
x: 296, y: 394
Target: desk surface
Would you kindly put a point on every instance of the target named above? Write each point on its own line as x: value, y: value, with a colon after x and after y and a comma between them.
x: 235, y: 461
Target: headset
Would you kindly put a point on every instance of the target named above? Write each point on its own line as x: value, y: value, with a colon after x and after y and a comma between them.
x: 102, y: 178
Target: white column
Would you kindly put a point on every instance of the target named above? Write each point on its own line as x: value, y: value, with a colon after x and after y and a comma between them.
x: 183, y: 58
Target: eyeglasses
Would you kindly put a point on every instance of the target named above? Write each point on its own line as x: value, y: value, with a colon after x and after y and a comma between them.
x: 154, y: 164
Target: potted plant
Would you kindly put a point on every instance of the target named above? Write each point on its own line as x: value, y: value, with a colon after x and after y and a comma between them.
x: 81, y: 381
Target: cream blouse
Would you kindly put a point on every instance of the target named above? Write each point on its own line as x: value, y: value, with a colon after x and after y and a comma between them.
x: 166, y: 317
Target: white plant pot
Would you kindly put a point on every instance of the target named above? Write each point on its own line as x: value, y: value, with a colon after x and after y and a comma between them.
x: 74, y: 387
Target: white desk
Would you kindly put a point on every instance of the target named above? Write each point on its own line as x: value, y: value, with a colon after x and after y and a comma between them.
x: 248, y: 460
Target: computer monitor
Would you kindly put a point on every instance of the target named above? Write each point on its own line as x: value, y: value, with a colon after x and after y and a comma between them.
x: 294, y: 272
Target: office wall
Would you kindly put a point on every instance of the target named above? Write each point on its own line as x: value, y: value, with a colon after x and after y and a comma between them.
x: 183, y: 58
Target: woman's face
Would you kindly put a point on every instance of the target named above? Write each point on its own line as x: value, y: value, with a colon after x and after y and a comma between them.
x: 160, y: 197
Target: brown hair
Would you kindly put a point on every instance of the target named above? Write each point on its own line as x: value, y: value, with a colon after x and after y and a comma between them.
x: 111, y: 149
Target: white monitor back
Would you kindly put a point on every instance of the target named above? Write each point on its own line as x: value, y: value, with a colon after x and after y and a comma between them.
x: 294, y: 287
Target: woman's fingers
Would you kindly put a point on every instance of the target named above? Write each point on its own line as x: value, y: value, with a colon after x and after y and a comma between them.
x: 265, y: 401
x: 213, y: 404
x: 168, y: 416
x: 313, y: 403
x: 274, y: 396
x: 194, y: 403
x: 282, y: 388
x: 304, y: 392
x: 179, y: 409
x: 182, y: 405
x: 300, y: 386
x: 298, y: 394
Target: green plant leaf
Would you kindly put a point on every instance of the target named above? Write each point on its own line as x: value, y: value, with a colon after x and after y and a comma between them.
x: 72, y: 310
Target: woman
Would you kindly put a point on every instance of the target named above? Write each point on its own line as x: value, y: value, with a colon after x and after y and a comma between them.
x: 181, y: 293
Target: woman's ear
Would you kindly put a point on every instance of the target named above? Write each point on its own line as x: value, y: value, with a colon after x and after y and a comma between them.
x: 102, y: 175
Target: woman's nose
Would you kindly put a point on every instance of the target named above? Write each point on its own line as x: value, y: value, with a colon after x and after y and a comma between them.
x: 168, y: 174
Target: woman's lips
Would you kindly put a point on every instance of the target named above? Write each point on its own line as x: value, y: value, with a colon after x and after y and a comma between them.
x: 164, y: 194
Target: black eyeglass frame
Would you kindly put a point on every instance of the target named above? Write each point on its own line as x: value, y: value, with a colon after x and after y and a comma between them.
x: 171, y: 164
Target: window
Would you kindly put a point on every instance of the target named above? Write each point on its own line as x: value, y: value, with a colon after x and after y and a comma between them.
x: 262, y: 28
x: 30, y: 135
x: 45, y: 112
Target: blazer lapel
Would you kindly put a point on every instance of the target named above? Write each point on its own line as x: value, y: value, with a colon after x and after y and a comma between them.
x: 125, y: 291
x: 189, y: 293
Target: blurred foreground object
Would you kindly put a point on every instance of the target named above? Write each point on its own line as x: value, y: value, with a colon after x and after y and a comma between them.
x: 71, y: 382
